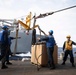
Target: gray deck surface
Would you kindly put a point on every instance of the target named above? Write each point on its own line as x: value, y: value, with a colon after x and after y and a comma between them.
x: 27, y: 68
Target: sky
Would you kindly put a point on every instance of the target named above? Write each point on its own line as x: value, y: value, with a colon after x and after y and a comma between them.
x: 62, y: 23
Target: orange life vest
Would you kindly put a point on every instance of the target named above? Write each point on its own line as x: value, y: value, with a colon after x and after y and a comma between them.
x: 68, y: 45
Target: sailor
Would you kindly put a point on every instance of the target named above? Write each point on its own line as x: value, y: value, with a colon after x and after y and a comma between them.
x: 67, y: 48
x: 4, y: 46
x: 10, y: 38
x: 50, y: 43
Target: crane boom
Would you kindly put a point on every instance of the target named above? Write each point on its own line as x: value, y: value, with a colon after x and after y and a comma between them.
x: 50, y: 13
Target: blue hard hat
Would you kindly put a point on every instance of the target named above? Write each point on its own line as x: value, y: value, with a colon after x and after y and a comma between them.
x: 51, y: 31
x: 5, y: 27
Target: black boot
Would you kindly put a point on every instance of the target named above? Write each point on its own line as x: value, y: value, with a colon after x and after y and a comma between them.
x: 4, y: 67
x: 73, y: 65
x: 52, y: 66
x: 49, y: 65
x: 63, y: 63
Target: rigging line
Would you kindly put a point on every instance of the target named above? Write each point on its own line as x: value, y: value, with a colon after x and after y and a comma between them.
x: 65, y: 9
x: 50, y: 13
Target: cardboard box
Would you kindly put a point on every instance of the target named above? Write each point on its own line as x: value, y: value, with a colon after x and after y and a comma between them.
x: 39, y: 54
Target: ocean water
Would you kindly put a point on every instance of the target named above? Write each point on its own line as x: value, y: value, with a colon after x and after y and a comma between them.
x: 28, y: 54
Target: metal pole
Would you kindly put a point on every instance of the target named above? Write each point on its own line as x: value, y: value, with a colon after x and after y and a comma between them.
x: 15, y: 48
x: 34, y: 32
